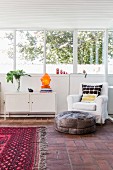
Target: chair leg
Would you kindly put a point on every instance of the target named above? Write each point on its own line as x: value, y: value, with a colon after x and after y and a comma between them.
x: 101, y: 120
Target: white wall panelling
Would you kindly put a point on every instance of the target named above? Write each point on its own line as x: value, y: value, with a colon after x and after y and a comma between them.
x: 59, y: 84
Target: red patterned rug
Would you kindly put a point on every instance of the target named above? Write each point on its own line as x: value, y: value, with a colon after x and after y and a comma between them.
x: 22, y: 148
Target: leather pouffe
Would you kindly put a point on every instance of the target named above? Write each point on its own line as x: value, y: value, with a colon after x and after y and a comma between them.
x: 75, y: 122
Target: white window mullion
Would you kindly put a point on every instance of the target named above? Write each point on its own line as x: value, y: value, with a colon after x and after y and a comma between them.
x: 96, y: 52
x: 75, y: 47
x: 44, y: 64
x: 14, y: 57
x: 105, y: 54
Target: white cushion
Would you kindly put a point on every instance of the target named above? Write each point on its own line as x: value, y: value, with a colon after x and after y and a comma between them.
x: 84, y: 106
x: 104, y: 87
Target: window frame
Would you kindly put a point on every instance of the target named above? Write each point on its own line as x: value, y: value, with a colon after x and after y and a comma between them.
x: 75, y: 31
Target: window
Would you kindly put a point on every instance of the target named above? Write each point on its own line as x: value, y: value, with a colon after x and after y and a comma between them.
x: 90, y: 52
x: 6, y: 51
x: 59, y: 51
x: 110, y: 52
x: 29, y: 51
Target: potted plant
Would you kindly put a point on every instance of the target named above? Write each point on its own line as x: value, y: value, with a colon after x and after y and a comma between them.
x: 17, y: 75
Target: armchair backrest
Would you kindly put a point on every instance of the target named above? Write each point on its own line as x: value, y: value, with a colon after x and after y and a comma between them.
x: 104, y: 87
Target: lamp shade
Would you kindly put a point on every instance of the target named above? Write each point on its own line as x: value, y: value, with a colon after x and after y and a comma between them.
x: 45, y: 79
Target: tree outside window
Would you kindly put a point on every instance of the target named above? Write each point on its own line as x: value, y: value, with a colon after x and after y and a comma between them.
x: 30, y: 51
x: 90, y: 57
x: 110, y: 52
x: 59, y: 51
x: 6, y: 51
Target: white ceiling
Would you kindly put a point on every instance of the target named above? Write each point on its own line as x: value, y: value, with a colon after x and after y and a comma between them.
x: 56, y: 14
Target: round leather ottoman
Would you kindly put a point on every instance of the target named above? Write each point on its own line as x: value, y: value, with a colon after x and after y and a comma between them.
x: 75, y: 122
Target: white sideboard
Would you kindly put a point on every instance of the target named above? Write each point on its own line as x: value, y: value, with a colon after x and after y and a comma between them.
x: 42, y: 104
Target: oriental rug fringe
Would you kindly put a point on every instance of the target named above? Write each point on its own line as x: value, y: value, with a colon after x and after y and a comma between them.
x: 23, y: 148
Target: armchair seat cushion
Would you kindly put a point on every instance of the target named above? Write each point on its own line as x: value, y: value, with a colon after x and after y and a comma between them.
x: 84, y: 106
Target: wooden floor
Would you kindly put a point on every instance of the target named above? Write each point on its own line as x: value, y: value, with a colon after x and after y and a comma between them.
x: 26, y: 121
x: 73, y: 152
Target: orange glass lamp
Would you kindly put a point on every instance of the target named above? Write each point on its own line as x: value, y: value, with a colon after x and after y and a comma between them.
x: 45, y: 81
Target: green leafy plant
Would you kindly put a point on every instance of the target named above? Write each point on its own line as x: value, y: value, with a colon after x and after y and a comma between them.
x: 17, y: 74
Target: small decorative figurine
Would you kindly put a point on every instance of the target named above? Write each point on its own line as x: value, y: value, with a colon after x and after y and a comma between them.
x: 45, y: 81
x: 85, y: 73
x: 61, y: 71
x: 30, y: 90
x: 57, y: 70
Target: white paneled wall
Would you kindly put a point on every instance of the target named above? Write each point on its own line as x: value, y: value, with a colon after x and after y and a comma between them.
x: 59, y: 84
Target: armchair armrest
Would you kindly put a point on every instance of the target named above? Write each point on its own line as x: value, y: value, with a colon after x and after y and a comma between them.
x: 101, y: 104
x: 101, y: 99
x: 72, y: 99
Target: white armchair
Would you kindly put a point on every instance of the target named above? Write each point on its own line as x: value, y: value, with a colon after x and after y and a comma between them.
x: 98, y: 107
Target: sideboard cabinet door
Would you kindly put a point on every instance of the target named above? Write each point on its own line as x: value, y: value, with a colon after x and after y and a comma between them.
x: 43, y: 102
x: 17, y: 102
